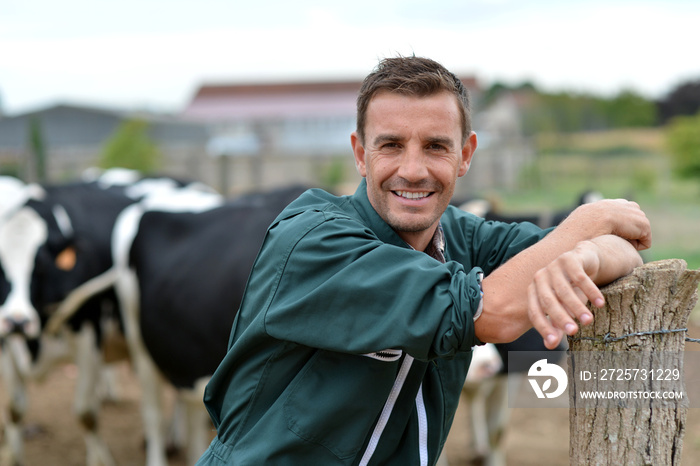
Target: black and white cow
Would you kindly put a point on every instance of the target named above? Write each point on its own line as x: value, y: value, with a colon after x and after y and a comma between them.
x: 181, y: 266
x: 13, y: 194
x: 49, y: 244
x: 52, y: 240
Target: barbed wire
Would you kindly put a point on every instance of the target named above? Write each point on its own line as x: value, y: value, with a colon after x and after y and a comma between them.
x: 607, y: 338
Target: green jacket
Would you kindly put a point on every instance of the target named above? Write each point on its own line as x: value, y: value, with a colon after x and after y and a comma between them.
x: 349, y: 346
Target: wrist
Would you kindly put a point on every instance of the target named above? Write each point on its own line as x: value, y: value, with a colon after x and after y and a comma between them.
x: 616, y: 257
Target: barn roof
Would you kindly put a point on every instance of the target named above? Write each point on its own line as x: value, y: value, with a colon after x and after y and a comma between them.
x: 282, y: 100
x: 64, y: 125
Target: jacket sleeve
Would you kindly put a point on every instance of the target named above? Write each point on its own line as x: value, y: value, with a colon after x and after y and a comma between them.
x: 487, y: 244
x: 339, y: 288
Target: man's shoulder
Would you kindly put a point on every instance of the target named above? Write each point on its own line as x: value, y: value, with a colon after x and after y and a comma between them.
x: 318, y: 201
x: 313, y: 207
x: 454, y: 217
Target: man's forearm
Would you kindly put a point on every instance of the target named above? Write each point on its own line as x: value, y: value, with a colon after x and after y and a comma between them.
x: 617, y: 258
x: 506, y: 301
x: 505, y: 312
x: 504, y: 317
x: 612, y: 216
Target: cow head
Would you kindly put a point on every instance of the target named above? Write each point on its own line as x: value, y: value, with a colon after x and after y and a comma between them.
x: 20, y: 238
x: 37, y: 256
x: 21, y: 233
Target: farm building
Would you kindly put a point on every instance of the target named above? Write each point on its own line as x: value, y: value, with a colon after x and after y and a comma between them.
x: 239, y: 137
x: 73, y: 137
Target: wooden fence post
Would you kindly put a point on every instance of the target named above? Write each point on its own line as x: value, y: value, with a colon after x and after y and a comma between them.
x: 645, y: 312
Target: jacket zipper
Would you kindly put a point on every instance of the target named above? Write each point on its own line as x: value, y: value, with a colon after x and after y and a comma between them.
x: 387, y: 355
x: 422, y: 427
x: 386, y: 411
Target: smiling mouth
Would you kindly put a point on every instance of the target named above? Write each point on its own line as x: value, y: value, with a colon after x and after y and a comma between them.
x: 412, y: 195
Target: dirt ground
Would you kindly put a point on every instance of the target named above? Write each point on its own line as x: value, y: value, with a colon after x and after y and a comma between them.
x: 534, y: 436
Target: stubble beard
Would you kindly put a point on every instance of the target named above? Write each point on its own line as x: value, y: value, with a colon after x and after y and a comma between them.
x: 408, y: 225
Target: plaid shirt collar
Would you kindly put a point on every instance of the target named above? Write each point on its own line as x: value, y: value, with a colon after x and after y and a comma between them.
x: 436, y: 247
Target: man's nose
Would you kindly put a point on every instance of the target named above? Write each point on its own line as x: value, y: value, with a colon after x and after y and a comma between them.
x: 413, y: 165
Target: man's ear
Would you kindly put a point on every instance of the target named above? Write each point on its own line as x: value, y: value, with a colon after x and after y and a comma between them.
x: 467, y: 154
x: 358, y: 150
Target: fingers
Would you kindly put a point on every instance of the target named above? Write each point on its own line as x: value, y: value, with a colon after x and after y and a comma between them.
x: 631, y: 223
x: 551, y: 335
x: 559, y: 292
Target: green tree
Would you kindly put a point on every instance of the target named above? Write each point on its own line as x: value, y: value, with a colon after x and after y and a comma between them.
x: 493, y: 92
x: 566, y: 112
x: 630, y: 110
x: 37, y: 148
x: 683, y: 139
x: 130, y: 146
x: 563, y: 112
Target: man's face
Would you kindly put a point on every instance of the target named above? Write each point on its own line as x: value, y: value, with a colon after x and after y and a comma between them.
x: 412, y: 155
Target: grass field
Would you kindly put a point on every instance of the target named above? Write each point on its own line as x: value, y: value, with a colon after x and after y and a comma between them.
x: 629, y: 164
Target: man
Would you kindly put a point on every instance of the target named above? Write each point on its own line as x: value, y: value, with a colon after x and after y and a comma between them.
x: 354, y: 336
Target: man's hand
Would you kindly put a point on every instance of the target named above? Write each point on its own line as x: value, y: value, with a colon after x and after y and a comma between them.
x: 558, y: 293
x: 611, y: 216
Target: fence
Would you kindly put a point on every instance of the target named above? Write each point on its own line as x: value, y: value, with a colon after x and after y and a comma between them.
x: 643, y: 327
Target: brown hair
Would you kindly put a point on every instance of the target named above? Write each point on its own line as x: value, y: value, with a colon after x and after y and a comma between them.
x: 414, y: 76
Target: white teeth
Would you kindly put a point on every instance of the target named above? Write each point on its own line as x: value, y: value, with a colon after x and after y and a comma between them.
x: 409, y: 195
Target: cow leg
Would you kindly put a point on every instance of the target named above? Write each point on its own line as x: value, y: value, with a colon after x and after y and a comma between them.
x: 497, y: 416
x: 108, y: 385
x: 146, y: 371
x: 13, y: 357
x: 479, y: 389
x: 87, y: 400
x: 488, y: 414
x: 151, y: 407
x: 55, y: 350
x: 113, y: 349
x: 478, y: 417
x: 199, y: 425
x: 177, y: 427
x: 442, y: 460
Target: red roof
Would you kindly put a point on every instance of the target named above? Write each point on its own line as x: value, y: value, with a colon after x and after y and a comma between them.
x: 277, y: 100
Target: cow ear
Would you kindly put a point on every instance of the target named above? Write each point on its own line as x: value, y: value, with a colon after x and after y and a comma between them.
x: 66, y: 259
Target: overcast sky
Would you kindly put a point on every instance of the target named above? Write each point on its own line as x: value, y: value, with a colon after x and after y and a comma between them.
x: 154, y: 54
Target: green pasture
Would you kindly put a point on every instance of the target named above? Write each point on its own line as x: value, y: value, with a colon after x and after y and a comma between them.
x: 630, y: 164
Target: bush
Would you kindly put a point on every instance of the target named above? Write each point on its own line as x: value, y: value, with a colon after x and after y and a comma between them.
x: 131, y: 147
x: 683, y: 139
